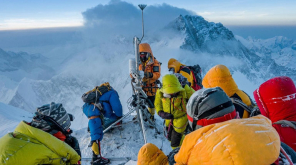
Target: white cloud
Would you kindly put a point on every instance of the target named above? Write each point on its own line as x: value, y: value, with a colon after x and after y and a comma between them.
x: 29, y: 23
x: 205, y: 13
x: 249, y: 18
x: 118, y: 17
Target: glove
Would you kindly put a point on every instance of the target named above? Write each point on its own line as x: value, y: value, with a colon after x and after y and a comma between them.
x: 148, y: 74
x: 172, y: 155
x: 144, y: 83
x: 165, y: 115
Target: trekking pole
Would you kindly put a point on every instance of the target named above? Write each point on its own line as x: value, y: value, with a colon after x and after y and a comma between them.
x: 169, y: 129
x: 113, y: 124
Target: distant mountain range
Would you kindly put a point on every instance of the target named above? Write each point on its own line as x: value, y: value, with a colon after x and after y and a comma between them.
x: 28, y: 81
x: 258, y: 60
x: 31, y: 65
x: 281, y: 49
x: 261, y: 58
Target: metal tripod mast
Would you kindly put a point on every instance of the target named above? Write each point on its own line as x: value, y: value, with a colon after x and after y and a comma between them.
x: 138, y: 82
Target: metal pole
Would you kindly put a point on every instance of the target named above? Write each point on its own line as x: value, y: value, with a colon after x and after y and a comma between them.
x: 138, y: 84
x: 105, y: 130
x: 142, y: 7
x: 142, y: 124
x: 142, y: 26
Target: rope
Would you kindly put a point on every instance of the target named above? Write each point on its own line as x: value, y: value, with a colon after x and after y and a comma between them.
x: 286, y: 155
x: 171, y: 124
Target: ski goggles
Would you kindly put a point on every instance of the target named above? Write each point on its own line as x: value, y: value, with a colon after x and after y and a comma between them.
x: 144, y: 56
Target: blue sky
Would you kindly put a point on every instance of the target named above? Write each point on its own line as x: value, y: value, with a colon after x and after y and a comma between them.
x: 26, y: 14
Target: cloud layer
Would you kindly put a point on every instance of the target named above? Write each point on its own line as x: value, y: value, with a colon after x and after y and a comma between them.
x: 118, y: 17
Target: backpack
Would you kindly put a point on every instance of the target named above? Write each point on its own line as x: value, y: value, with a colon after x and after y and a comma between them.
x: 183, y: 80
x: 252, y: 109
x: 94, y: 95
x: 196, y: 70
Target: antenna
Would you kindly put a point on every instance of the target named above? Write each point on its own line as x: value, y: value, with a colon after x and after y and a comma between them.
x: 142, y: 7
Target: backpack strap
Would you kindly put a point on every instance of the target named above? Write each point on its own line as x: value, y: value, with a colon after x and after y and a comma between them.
x: 241, y: 104
x: 186, y: 69
x: 286, y: 155
x: 99, y: 107
x: 286, y: 122
x: 252, y: 101
x: 205, y: 122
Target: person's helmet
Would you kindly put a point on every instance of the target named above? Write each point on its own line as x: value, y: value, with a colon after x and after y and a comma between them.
x: 209, y: 106
x: 52, y: 118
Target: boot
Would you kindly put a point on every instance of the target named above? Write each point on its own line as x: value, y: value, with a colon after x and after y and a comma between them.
x: 152, y: 118
x: 100, y: 161
x: 151, y: 111
x: 94, y: 157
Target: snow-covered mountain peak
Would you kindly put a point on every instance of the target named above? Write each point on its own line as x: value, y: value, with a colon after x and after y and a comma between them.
x: 32, y: 64
x: 200, y: 32
x: 279, y: 42
x: 281, y: 49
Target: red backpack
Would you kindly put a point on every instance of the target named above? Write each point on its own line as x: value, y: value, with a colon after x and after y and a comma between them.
x: 276, y: 99
x: 196, y: 73
x: 287, y: 132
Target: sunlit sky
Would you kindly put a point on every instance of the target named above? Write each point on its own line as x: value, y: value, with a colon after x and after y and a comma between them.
x: 27, y: 14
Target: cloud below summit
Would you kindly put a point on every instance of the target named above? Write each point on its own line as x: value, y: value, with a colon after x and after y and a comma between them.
x: 123, y: 17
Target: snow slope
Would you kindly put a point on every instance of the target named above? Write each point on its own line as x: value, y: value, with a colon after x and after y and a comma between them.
x: 10, y: 117
x: 120, y: 142
x: 125, y: 141
x: 16, y: 66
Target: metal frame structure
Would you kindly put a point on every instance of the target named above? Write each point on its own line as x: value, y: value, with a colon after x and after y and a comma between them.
x: 138, y: 100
